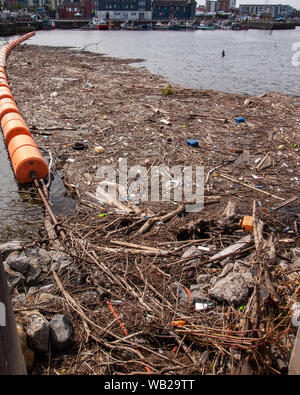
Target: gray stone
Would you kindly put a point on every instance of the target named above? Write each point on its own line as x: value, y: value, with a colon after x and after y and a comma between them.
x: 60, y: 260
x: 197, y: 295
x: 232, y: 289
x: 33, y: 275
x: 226, y: 270
x: 14, y: 279
x: 183, y: 297
x: 38, y: 333
x: 279, y: 358
x: 61, y: 334
x: 18, y: 261
x: 246, y: 273
x: 192, y: 252
x: 7, y: 248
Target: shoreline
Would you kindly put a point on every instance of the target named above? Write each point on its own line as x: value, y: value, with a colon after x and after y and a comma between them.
x: 69, y: 97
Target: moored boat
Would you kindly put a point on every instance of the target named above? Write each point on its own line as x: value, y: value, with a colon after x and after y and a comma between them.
x: 98, y: 24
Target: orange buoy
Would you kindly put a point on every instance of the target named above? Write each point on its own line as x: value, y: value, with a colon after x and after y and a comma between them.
x: 5, y: 92
x: 18, y: 141
x: 11, y: 116
x: 25, y: 156
x: 7, y: 105
x: 3, y: 82
x: 13, y: 128
x: 27, y: 162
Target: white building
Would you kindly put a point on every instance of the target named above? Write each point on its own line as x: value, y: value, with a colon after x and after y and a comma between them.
x: 211, y: 6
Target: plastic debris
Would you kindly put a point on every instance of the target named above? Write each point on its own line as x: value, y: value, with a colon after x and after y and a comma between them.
x: 99, y: 149
x: 193, y: 143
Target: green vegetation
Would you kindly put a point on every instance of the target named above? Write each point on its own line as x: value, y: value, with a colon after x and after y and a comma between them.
x: 168, y: 90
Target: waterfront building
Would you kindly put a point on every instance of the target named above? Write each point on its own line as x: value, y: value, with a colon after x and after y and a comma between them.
x: 223, y: 5
x: 211, y: 6
x: 73, y: 10
x: 173, y: 9
x: 272, y: 10
x: 124, y: 10
x: 232, y: 4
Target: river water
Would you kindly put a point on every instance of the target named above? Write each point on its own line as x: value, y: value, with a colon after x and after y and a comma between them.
x: 256, y: 61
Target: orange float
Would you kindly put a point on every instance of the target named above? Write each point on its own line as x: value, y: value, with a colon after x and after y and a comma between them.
x: 25, y: 156
x: 7, y: 105
x: 27, y: 160
x: 3, y: 82
x: 21, y: 140
x: 5, y: 92
x: 12, y: 125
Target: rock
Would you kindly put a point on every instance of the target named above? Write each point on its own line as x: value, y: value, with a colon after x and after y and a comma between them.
x: 279, y: 359
x: 14, y: 279
x: 61, y: 334
x: 197, y: 294
x: 246, y: 273
x: 226, y: 270
x: 60, y: 260
x: 38, y: 332
x: 18, y: 261
x: 33, y: 275
x: 190, y: 252
x: 7, y: 248
x: 27, y: 352
x: 232, y: 289
x: 183, y: 297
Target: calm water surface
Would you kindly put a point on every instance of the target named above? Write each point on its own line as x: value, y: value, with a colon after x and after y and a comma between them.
x: 256, y: 61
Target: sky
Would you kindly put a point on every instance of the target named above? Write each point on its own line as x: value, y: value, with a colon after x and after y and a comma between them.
x: 293, y: 3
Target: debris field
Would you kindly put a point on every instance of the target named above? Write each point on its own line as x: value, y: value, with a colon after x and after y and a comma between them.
x: 149, y: 287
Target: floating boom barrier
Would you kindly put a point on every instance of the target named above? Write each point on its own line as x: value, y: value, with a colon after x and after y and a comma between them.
x: 27, y: 161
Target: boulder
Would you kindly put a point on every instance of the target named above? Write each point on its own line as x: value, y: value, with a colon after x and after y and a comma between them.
x: 38, y: 331
x: 34, y: 274
x: 14, y: 279
x: 18, y: 261
x: 61, y: 334
x: 7, y: 248
x: 232, y: 289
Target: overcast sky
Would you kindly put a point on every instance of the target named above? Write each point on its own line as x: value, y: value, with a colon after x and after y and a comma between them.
x: 293, y: 3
